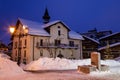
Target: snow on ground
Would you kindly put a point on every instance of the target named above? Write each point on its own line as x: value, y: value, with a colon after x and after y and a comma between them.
x: 55, y: 64
x: 117, y: 59
x: 9, y: 70
x: 8, y: 67
x: 63, y: 64
x: 114, y: 70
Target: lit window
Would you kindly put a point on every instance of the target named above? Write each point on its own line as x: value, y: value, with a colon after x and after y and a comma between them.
x: 84, y: 47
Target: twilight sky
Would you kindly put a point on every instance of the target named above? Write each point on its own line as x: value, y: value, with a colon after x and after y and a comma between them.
x: 79, y: 15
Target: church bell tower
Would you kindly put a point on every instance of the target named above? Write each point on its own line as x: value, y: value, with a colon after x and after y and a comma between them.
x: 46, y: 16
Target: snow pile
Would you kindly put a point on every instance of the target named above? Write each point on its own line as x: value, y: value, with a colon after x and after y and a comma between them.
x: 63, y: 64
x: 55, y: 64
x: 49, y: 63
x: 9, y: 70
x: 4, y: 55
x: 117, y: 59
x: 110, y: 63
x: 113, y: 73
x: 8, y: 67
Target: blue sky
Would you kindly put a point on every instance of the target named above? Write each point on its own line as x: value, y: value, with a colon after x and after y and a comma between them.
x: 79, y: 15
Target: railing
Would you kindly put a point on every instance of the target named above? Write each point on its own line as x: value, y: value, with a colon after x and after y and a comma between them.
x: 52, y: 45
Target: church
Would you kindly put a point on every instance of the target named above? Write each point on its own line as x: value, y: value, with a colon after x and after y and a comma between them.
x: 32, y: 40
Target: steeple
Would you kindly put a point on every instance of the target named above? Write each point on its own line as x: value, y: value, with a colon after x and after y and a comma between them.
x: 46, y: 16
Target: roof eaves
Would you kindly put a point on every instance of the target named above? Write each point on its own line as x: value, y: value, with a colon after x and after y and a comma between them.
x: 92, y: 39
x: 111, y: 45
x: 55, y: 22
x: 109, y: 35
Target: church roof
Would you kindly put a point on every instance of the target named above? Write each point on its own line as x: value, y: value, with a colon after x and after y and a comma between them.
x: 46, y: 16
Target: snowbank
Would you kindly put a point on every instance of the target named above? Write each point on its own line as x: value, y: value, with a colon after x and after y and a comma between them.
x: 9, y: 70
x: 4, y: 55
x: 8, y: 67
x: 63, y: 64
x: 55, y: 64
x: 117, y: 59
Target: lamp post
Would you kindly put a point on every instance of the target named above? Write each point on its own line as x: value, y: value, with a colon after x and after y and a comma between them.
x: 19, y: 35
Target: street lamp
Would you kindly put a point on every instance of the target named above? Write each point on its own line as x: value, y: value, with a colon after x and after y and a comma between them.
x: 12, y: 29
x: 19, y: 35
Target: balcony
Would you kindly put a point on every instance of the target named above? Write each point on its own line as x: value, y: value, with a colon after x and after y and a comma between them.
x: 52, y: 45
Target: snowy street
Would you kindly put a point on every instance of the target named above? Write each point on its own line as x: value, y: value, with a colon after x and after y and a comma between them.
x: 58, y: 75
x: 49, y: 69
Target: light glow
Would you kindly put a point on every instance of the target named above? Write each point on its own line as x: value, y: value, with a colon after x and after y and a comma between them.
x: 12, y: 29
x: 25, y: 29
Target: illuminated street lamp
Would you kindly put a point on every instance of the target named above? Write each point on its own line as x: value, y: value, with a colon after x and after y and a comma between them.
x: 12, y: 29
x: 19, y: 35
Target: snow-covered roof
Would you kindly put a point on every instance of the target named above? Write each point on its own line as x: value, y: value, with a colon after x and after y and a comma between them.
x: 109, y: 35
x: 111, y: 45
x: 38, y: 32
x: 91, y: 39
x: 54, y: 22
x: 34, y: 27
x: 50, y: 23
x: 75, y: 35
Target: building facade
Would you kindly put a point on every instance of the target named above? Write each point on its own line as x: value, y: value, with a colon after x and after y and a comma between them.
x: 106, y: 42
x: 51, y: 39
x: 89, y: 45
x: 110, y: 46
x: 96, y: 34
